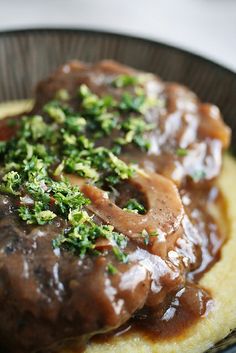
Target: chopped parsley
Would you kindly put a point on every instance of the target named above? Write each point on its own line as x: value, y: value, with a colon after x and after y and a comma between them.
x: 98, y: 111
x: 182, y: 152
x: 66, y: 140
x: 134, y: 129
x: 132, y: 103
x: 111, y: 269
x: 62, y: 95
x: 134, y: 206
x: 55, y: 112
x: 36, y: 214
x: 81, y: 239
x: 11, y: 183
x: 122, y: 81
x: 120, y: 255
x: 104, y: 114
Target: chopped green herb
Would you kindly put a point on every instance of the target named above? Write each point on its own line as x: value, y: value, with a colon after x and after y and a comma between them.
x: 62, y: 95
x: 120, y: 255
x: 65, y: 140
x: 37, y: 126
x: 125, y: 80
x: 11, y: 182
x: 131, y: 103
x: 84, y: 91
x: 78, y: 216
x: 121, y: 168
x: 134, y: 206
x: 55, y: 111
x: 97, y: 111
x: 81, y: 239
x: 107, y: 122
x: 137, y: 124
x: 111, y: 269
x: 36, y: 214
x: 45, y: 216
x: 75, y: 124
x: 181, y: 152
x: 67, y: 197
x: 134, y: 128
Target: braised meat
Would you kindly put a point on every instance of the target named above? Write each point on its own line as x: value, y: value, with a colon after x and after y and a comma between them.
x: 104, y: 196
x: 181, y: 121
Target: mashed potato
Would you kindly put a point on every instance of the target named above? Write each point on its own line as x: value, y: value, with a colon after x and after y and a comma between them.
x: 220, y: 280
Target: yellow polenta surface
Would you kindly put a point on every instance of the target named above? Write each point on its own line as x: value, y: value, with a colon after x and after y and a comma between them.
x: 15, y: 107
x: 220, y: 280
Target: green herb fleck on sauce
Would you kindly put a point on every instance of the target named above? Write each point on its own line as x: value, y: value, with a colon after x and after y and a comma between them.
x: 111, y: 269
x: 134, y: 206
x: 62, y: 95
x: 122, y: 81
x: 182, y: 152
x: 11, y: 183
x: 64, y: 139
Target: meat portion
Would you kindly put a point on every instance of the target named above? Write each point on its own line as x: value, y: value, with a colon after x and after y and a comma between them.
x: 188, y: 138
x: 47, y: 293
x: 174, y: 243
x: 49, y: 296
x: 189, y: 135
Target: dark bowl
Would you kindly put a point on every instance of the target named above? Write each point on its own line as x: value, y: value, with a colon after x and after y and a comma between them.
x: 27, y: 56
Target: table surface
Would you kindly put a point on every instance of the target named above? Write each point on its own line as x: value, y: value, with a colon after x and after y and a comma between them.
x: 206, y: 27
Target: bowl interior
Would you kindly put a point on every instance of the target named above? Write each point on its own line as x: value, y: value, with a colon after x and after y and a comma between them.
x: 28, y: 56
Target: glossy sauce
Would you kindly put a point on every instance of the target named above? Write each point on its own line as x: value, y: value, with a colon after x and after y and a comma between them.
x: 47, y: 293
x: 186, y: 306
x: 168, y: 322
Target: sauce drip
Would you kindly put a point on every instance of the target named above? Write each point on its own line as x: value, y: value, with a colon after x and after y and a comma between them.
x: 186, y: 306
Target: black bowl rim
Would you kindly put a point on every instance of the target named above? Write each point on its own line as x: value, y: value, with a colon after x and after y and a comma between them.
x: 88, y: 31
x: 101, y: 32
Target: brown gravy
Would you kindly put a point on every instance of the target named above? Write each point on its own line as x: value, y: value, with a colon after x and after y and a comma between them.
x: 190, y: 303
x: 51, y: 297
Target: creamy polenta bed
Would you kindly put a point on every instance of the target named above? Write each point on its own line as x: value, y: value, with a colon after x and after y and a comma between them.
x: 117, y: 216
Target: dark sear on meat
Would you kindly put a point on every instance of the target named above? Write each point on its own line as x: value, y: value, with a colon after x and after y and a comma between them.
x: 50, y: 295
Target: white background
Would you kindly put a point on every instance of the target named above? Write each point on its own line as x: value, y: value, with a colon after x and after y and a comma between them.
x: 207, y: 27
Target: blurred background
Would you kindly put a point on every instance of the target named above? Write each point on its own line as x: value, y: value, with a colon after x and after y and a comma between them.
x: 206, y: 27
